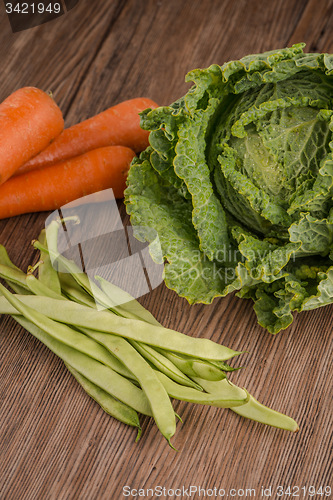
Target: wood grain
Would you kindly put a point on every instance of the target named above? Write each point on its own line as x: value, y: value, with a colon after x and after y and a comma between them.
x: 56, y: 443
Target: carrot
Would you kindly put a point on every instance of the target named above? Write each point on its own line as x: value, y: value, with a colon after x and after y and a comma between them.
x: 119, y: 125
x: 29, y: 121
x: 52, y: 187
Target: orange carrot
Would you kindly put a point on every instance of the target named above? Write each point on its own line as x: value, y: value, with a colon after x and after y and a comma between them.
x: 119, y: 125
x: 29, y: 121
x: 52, y: 187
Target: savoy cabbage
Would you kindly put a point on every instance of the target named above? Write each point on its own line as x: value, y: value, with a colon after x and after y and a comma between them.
x: 238, y: 184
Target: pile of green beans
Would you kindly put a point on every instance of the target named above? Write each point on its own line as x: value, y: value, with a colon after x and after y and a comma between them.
x: 121, y: 356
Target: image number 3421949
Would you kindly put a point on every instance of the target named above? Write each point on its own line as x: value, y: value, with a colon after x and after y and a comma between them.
x: 26, y: 15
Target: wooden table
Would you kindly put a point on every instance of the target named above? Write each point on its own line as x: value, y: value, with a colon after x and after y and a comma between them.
x: 56, y: 443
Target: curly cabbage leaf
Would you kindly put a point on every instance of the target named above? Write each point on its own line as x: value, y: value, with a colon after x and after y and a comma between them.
x: 238, y: 184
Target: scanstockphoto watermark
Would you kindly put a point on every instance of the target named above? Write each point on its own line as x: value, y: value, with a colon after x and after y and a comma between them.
x: 287, y: 491
x: 228, y: 254
x: 197, y: 266
x: 25, y: 15
x: 214, y: 272
x: 92, y: 234
x: 188, y: 492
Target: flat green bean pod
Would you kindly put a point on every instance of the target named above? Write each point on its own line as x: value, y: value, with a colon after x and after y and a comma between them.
x: 79, y: 315
x: 13, y: 283
x: 81, y: 278
x: 156, y: 358
x: 99, y: 374
x: 252, y: 409
x: 74, y: 291
x: 158, y: 398
x: 37, y: 287
x: 13, y: 276
x: 108, y: 359
x: 185, y: 365
x: 5, y: 260
x: 223, y: 388
x: 260, y: 413
x: 194, y: 367
x: 129, y: 307
x: 226, y: 368
x: 17, y: 288
x: 163, y: 364
x: 46, y: 272
x: 65, y: 334
x: 183, y: 393
x: 108, y: 403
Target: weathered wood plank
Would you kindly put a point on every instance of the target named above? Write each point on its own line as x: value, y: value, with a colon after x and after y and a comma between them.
x: 56, y: 443
x: 55, y: 56
x: 314, y: 27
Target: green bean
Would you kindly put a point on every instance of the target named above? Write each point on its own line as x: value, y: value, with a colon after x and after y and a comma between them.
x: 260, y: 413
x: 156, y: 358
x: 252, y: 409
x: 17, y: 288
x: 64, y: 280
x: 131, y: 308
x: 194, y: 367
x: 128, y: 306
x: 223, y: 366
x: 65, y: 334
x: 158, y: 398
x: 159, y: 360
x: 46, y: 272
x: 99, y: 374
x: 52, y: 230
x: 74, y: 291
x: 5, y: 261
x: 13, y: 276
x: 79, y: 315
x: 159, y: 402
x: 51, y: 233
x: 183, y: 393
x: 105, y: 357
x: 39, y: 288
x: 81, y: 278
x: 223, y: 388
x: 164, y: 365
x: 185, y: 365
x: 108, y: 403
x: 4, y: 258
